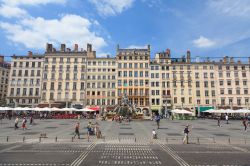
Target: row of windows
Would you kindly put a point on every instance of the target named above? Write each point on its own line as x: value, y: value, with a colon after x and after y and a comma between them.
x: 133, y: 92
x: 24, y: 91
x: 229, y: 82
x: 24, y: 101
x: 130, y: 65
x: 27, y: 64
x: 237, y: 91
x: 133, y: 57
x: 101, y: 93
x: 25, y: 82
x: 132, y: 74
x: 236, y: 74
x: 26, y: 73
x: 101, y: 102
x: 66, y: 59
x: 132, y: 83
x: 232, y: 67
x: 137, y: 101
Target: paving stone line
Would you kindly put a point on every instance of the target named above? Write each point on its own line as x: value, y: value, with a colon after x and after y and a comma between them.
x: 174, y: 155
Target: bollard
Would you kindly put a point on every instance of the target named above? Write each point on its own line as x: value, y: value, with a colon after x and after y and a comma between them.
x: 167, y: 140
x: 40, y: 139
x: 198, y: 140
x: 229, y: 141
x: 135, y: 139
x: 72, y: 139
x: 56, y: 139
x: 23, y: 138
x: 7, y: 139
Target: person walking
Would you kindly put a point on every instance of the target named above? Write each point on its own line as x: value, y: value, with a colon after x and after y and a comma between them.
x: 24, y: 123
x: 245, y: 124
x: 218, y: 121
x: 186, y: 132
x: 77, y: 130
x: 154, y: 135
x: 31, y: 120
x: 226, y: 118
x: 157, y: 119
x: 16, y: 123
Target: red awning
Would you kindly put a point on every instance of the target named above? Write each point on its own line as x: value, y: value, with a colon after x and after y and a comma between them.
x: 97, y: 108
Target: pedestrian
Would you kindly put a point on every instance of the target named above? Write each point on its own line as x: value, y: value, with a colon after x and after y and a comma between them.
x: 31, y: 120
x: 157, y: 119
x: 186, y: 132
x: 77, y: 130
x: 218, y: 121
x: 154, y: 135
x: 226, y: 118
x: 245, y: 124
x: 41, y: 116
x: 89, y: 129
x: 16, y: 123
x: 24, y: 123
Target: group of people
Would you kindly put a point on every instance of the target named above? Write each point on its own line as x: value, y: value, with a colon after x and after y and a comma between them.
x: 91, y: 130
x: 244, y: 122
x: 24, y: 122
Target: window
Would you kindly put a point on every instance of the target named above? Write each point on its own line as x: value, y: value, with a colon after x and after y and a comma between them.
x: 222, y: 91
x: 206, y: 93
x: 230, y: 91
x: 229, y: 83
x: 213, y: 93
x: 237, y: 91
x: 198, y: 93
x: 228, y: 75
x: 197, y: 84
x: 206, y: 84
x: 221, y: 83
x: 52, y: 86
x: 245, y: 91
x: 220, y: 74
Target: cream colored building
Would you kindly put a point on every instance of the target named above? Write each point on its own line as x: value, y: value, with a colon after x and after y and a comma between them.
x: 101, y: 82
x: 4, y: 79
x: 133, y: 77
x: 25, y: 80
x: 64, y: 77
x: 233, y: 83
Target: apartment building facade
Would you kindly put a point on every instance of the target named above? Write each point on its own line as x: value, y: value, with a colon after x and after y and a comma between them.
x: 65, y: 75
x: 4, y: 77
x: 133, y: 77
x: 233, y: 83
x: 25, y: 80
x: 101, y: 82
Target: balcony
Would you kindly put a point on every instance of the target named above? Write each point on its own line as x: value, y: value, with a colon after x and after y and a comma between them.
x: 166, y: 96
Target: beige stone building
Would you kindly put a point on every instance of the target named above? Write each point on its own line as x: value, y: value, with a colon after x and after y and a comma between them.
x: 25, y: 80
x: 65, y: 74
x: 101, y: 82
x: 133, y: 77
x: 233, y: 83
x: 4, y: 74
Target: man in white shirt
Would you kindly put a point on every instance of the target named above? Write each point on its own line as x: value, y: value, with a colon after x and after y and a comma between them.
x: 154, y: 135
x: 227, y: 118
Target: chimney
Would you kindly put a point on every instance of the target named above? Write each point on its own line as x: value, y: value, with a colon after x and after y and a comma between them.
x: 54, y: 50
x: 49, y: 47
x: 1, y: 59
x: 225, y: 59
x: 188, y: 56
x: 30, y: 53
x: 231, y: 60
x: 76, y: 48
x: 63, y: 46
x: 168, y: 52
x: 89, y: 47
x: 68, y: 49
x: 148, y: 47
x: 239, y: 62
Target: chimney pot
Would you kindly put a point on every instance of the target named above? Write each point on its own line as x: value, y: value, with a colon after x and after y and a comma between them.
x: 63, y: 46
x: 89, y: 47
x: 76, y: 48
x: 30, y: 53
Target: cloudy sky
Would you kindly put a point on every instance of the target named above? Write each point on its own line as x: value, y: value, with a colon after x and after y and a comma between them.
x: 209, y: 28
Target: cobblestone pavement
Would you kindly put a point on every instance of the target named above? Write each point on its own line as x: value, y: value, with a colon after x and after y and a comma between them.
x: 112, y: 154
x: 202, y: 131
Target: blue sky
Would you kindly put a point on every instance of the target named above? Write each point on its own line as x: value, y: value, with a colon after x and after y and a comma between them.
x: 209, y: 28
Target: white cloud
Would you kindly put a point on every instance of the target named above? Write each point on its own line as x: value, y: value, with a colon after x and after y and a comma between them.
x: 137, y: 46
x: 111, y: 7
x: 12, y: 11
x: 35, y: 32
x: 203, y: 42
x: 11, y: 8
x: 31, y: 2
x: 231, y: 8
